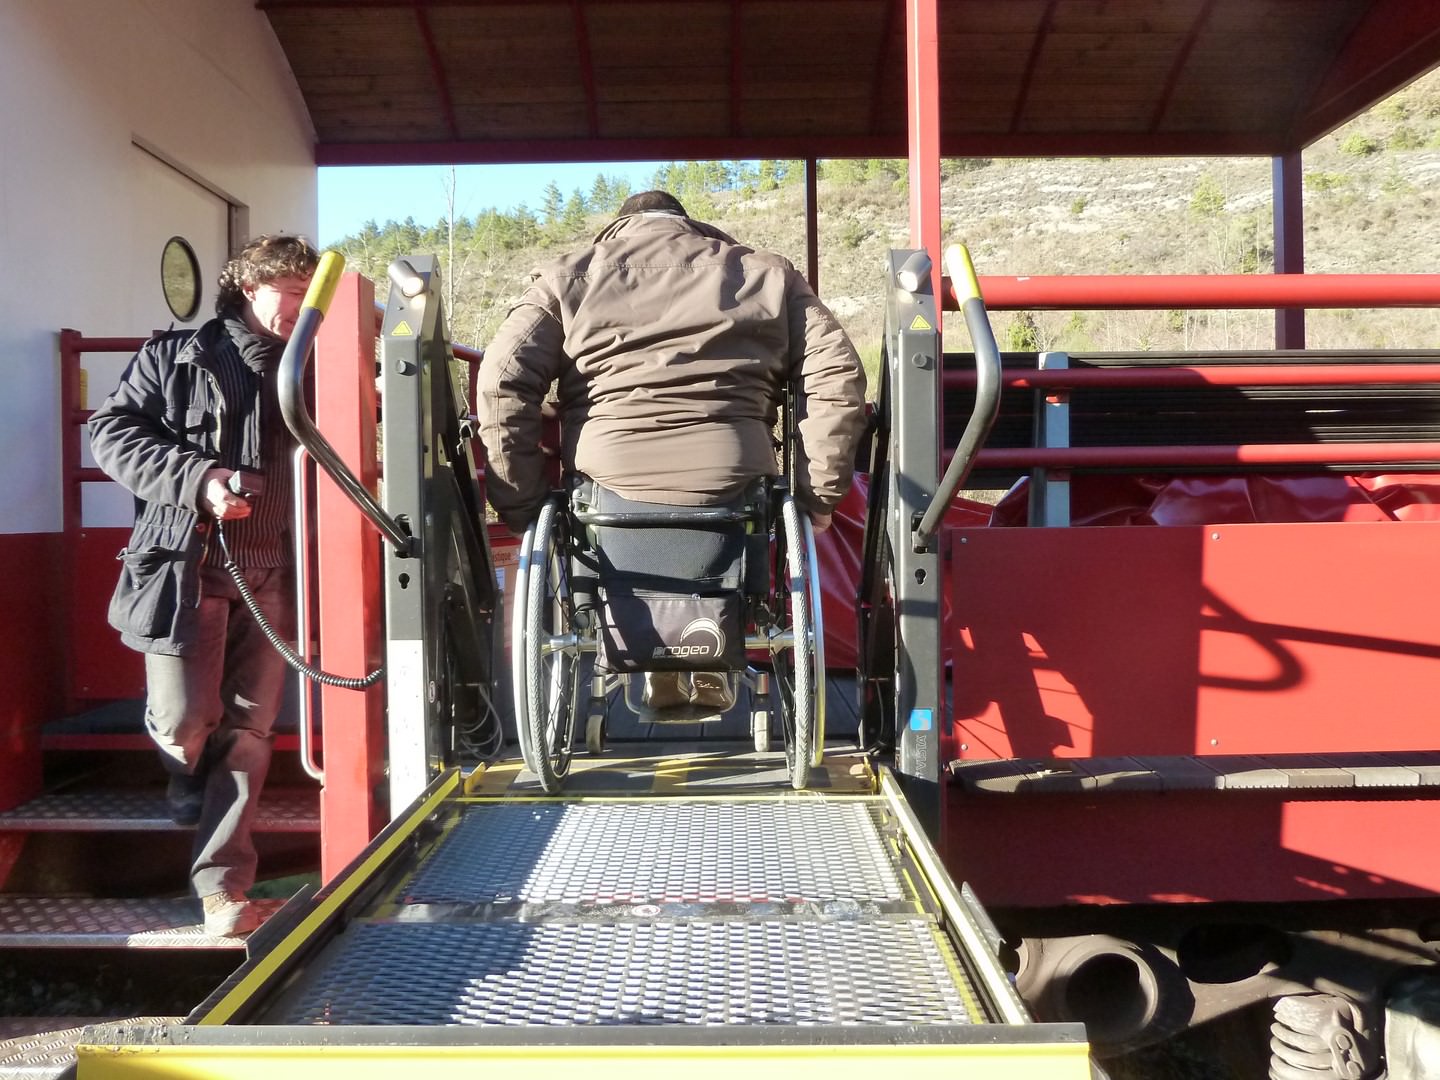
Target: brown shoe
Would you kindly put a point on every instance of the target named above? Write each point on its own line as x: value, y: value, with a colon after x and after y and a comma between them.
x: 711, y: 690
x: 229, y: 915
x: 665, y: 690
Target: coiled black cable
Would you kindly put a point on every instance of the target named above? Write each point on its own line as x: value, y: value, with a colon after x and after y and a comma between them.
x: 294, y: 659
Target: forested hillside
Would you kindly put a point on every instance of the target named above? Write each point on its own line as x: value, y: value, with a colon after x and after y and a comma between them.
x: 1372, y: 205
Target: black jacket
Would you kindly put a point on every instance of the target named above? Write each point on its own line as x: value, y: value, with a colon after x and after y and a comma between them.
x: 157, y: 435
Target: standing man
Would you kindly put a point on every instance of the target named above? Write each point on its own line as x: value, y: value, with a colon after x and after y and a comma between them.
x: 672, y: 345
x: 194, y: 431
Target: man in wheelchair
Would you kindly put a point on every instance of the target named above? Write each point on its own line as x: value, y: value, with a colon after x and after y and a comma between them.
x: 671, y: 348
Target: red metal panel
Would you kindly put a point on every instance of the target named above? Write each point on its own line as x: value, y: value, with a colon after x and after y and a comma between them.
x: 32, y: 680
x: 101, y: 667
x: 349, y: 580
x: 1188, y: 847
x: 789, y: 147
x: 1230, y: 639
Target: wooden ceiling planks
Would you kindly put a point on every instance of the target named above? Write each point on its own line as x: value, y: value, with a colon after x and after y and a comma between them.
x: 1018, y: 76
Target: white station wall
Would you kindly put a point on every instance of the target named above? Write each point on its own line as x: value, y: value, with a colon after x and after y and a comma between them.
x: 201, y: 83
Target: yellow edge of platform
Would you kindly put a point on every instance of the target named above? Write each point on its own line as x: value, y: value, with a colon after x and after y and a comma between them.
x: 339, y: 894
x: 1069, y: 1061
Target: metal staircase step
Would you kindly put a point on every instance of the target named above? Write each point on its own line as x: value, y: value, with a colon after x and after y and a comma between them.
x: 281, y: 810
x: 1291, y: 773
x: 43, y: 1047
x: 68, y: 922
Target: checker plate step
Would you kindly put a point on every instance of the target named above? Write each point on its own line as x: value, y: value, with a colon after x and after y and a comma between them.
x: 730, y: 972
x: 660, y: 852
x: 692, y: 911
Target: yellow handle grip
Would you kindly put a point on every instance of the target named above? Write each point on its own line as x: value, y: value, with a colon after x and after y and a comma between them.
x: 962, y: 273
x: 326, y: 280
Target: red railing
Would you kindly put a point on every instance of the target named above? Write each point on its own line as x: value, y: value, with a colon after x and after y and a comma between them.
x: 1218, y: 291
x: 97, y: 666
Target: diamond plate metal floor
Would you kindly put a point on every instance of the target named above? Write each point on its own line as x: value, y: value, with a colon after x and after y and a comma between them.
x: 39, y: 1047
x: 752, y: 911
x: 281, y: 810
x: 64, y: 922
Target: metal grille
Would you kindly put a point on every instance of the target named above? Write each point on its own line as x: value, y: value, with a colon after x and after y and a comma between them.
x: 739, y: 972
x: 664, y: 852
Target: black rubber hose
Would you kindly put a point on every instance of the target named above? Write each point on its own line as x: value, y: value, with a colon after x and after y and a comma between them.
x: 294, y: 659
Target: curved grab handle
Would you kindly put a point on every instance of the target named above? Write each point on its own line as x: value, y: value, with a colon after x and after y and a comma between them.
x: 324, y: 282
x: 987, y: 390
x: 297, y: 417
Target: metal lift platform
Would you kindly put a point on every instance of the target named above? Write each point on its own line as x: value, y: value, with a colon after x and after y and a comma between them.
x: 674, y: 912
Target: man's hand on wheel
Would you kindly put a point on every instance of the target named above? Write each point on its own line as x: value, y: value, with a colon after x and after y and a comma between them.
x: 819, y: 522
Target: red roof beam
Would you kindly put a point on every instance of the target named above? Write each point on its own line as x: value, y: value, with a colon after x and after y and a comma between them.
x: 587, y: 68
x: 437, y: 70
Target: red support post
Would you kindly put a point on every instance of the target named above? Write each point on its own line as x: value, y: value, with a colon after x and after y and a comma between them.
x: 348, y: 581
x: 1289, y: 230
x: 922, y: 80
x: 812, y: 227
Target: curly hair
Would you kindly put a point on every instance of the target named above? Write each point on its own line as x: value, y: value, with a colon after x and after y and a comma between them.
x: 263, y: 260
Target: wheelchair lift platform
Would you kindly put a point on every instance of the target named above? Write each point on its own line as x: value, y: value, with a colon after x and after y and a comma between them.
x: 672, y: 911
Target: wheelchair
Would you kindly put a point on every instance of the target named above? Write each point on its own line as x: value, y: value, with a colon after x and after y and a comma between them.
x: 587, y: 620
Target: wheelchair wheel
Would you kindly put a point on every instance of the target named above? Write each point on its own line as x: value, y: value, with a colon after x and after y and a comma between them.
x: 552, y: 653
x: 595, y: 727
x: 800, y: 665
x: 760, y: 730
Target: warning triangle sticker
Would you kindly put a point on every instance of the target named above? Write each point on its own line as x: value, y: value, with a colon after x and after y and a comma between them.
x: 919, y: 323
x: 402, y: 330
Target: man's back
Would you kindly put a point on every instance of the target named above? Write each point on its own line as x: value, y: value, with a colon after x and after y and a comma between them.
x: 672, y: 345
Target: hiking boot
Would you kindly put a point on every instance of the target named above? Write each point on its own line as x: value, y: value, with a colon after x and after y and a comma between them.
x: 711, y: 690
x: 185, y: 797
x: 229, y: 915
x: 665, y: 690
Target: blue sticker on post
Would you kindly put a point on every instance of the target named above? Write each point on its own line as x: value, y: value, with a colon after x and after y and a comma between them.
x: 921, y: 719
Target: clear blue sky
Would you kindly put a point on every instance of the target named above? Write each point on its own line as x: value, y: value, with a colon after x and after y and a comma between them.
x: 351, y: 196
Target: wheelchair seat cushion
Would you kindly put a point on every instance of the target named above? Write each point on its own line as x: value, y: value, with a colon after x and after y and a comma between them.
x: 687, y: 558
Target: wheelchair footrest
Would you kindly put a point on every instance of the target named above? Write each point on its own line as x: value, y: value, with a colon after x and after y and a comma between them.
x: 678, y: 714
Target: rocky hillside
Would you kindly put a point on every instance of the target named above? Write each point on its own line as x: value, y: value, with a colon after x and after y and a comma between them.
x: 1372, y: 205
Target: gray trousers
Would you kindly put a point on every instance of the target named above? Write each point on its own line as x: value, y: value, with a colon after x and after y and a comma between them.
x: 211, y: 711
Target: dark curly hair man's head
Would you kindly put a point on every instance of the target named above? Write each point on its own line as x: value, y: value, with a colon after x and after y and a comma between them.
x: 263, y: 260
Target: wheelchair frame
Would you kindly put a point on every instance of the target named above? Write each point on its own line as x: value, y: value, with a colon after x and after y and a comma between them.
x: 550, y: 636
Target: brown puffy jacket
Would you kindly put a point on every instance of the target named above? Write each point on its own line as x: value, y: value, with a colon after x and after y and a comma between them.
x: 672, y: 345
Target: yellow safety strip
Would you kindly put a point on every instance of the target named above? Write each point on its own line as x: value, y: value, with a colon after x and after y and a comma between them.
x: 1008, y: 1061
x: 326, y: 280
x: 669, y: 777
x: 473, y: 779
x: 962, y: 928
x: 749, y: 797
x: 962, y: 273
x: 301, y: 935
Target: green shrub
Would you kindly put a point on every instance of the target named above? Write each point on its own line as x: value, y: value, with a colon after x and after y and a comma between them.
x: 1358, y: 145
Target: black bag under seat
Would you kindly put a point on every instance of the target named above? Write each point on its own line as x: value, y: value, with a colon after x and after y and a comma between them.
x: 644, y: 630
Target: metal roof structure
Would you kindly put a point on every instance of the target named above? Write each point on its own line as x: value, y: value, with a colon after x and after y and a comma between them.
x: 457, y: 81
